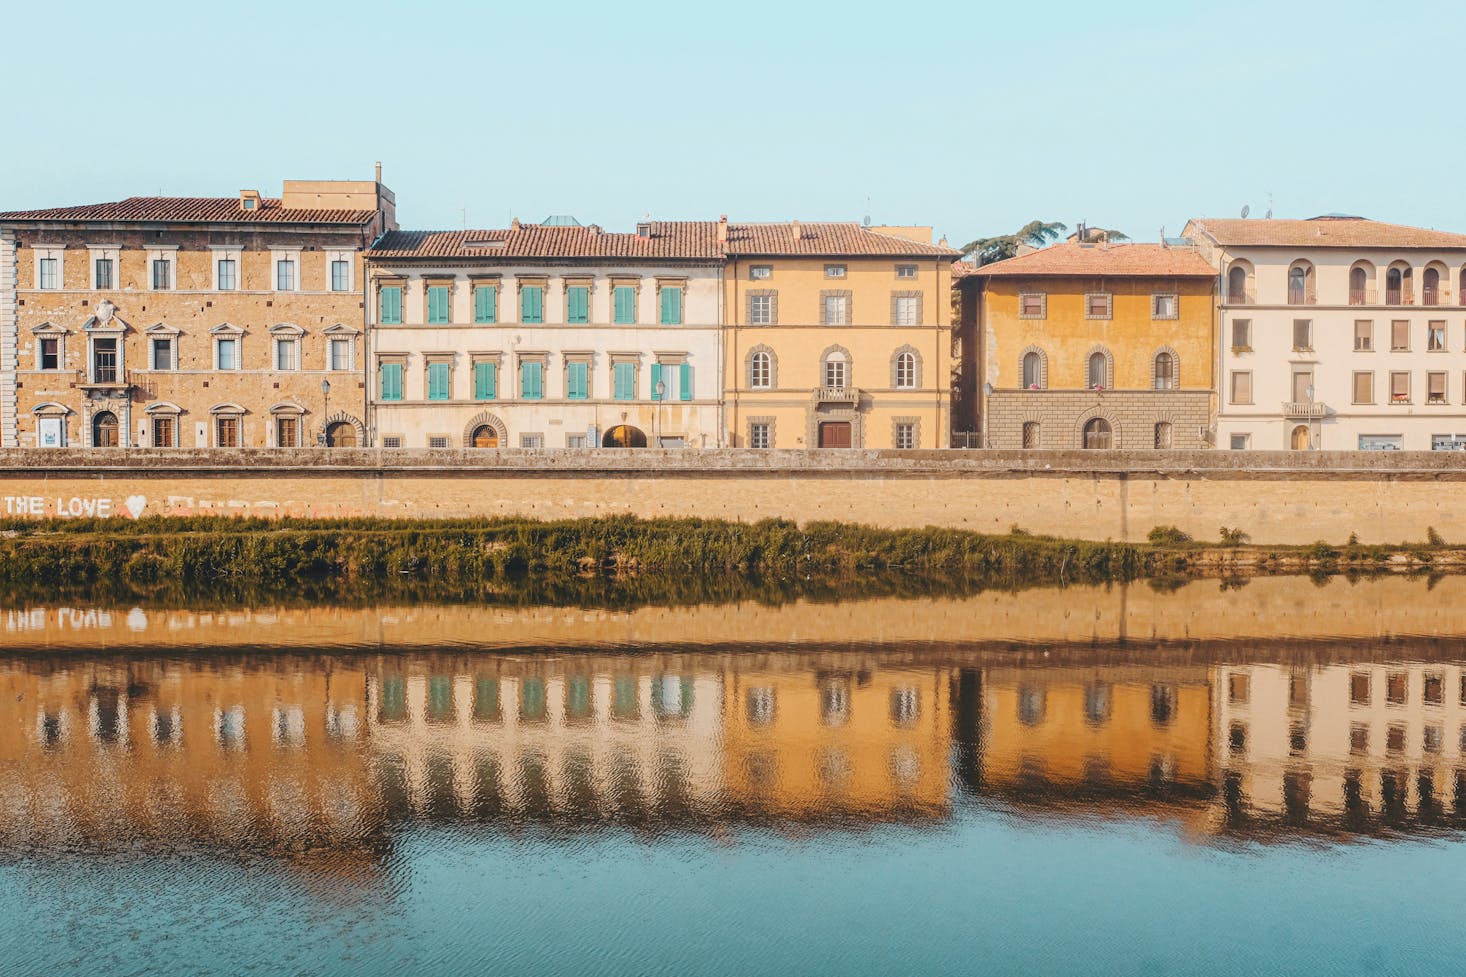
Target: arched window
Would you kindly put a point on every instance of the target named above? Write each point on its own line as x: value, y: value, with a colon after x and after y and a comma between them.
x: 1430, y: 287
x: 1300, y: 439
x: 1237, y: 285
x: 1461, y: 291
x: 1098, y: 372
x: 1400, y: 285
x: 1163, y: 435
x: 761, y: 370
x: 104, y: 430
x: 1033, y: 371
x: 1165, y: 370
x: 905, y: 371
x: 836, y: 372
x: 1300, y: 284
x: 1358, y: 286
x: 1097, y: 433
x: 1030, y: 434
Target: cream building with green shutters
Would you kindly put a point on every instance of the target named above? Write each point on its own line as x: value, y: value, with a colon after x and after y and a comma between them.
x: 552, y: 335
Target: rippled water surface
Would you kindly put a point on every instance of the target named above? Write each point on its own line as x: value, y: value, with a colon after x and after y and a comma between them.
x: 1131, y: 780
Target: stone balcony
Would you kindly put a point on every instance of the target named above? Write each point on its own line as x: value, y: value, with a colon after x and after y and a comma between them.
x: 1308, y: 409
x: 837, y: 395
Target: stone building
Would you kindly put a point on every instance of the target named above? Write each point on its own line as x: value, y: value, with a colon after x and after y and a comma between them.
x: 188, y: 322
x: 836, y: 336
x: 1091, y: 346
x: 552, y: 335
x: 1339, y: 333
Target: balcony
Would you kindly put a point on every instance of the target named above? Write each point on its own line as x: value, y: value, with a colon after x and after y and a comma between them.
x: 104, y: 380
x: 1307, y: 409
x: 837, y: 395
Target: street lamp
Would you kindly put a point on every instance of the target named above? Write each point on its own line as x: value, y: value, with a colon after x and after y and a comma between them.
x: 657, y: 412
x: 325, y: 412
x: 1314, y: 436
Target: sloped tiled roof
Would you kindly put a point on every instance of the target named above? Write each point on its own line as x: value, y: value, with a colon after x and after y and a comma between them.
x: 668, y: 239
x: 1136, y: 260
x: 202, y: 210
x: 827, y: 240
x: 1323, y: 232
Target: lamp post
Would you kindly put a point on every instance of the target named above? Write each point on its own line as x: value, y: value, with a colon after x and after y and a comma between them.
x: 325, y: 413
x: 1313, y: 436
x: 657, y: 413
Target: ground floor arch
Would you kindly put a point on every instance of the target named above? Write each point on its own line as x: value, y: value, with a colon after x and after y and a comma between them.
x: 624, y: 436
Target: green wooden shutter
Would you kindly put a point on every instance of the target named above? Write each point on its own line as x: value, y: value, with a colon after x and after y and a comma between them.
x: 532, y: 304
x: 485, y: 380
x: 438, y: 381
x: 390, y: 305
x: 625, y: 304
x: 438, y: 304
x: 684, y: 381
x: 532, y: 381
x: 656, y: 379
x: 483, y: 304
x: 579, y: 381
x: 671, y: 306
x: 625, y: 378
x: 578, y: 301
x: 391, y: 381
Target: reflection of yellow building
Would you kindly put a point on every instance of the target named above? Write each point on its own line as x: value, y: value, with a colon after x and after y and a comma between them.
x: 808, y: 743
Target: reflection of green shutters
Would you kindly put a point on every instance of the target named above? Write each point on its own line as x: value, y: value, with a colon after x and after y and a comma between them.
x: 440, y: 698
x: 437, y: 303
x: 486, y: 700
x: 532, y: 698
x: 578, y: 381
x: 623, y: 698
x: 532, y: 304
x: 485, y: 380
x: 484, y: 303
x: 577, y: 303
x: 656, y: 379
x: 438, y: 381
x: 625, y: 376
x: 390, y: 305
x: 391, y: 381
x: 671, y: 306
x: 577, y: 697
x: 625, y: 304
x: 684, y: 381
x: 393, y: 707
x: 531, y: 380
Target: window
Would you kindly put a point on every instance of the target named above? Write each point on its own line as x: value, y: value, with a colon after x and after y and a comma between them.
x: 835, y: 309
x: 1300, y: 285
x: 389, y: 305
x: 532, y: 303
x: 1239, y: 688
x: 671, y: 306
x: 226, y: 432
x: 1303, y: 334
x: 834, y: 271
x: 1241, y: 391
x: 623, y: 301
x: 1163, y: 306
x: 623, y: 381
x: 1097, y: 305
x: 1363, y: 388
x: 1435, y: 336
x: 50, y: 273
x: 226, y: 273
x: 905, y: 371
x: 1430, y: 287
x: 836, y: 372
x: 1358, y: 286
x: 1435, y: 388
x: 391, y: 381
x: 1433, y: 689
x: 577, y: 380
x: 439, y: 299
x: 1448, y: 442
x: 437, y: 441
x: 1399, y: 335
x: 905, y: 271
x: 760, y: 272
x: 1399, y: 388
x: 162, y: 273
x: 287, y: 354
x: 162, y: 350
x: 1399, y: 286
x: 1240, y: 442
x: 908, y: 310
x: 531, y: 380
x: 1237, y: 285
x: 285, y: 275
x: 761, y: 308
x: 1098, y: 371
x: 104, y: 361
x: 340, y: 275
x: 905, y: 435
x: 761, y: 371
x: 1363, y: 335
x: 165, y: 432
x: 103, y: 269
x: 440, y: 381
x: 760, y: 435
x: 1380, y: 442
x: 485, y: 380
x: 1241, y: 334
x: 1163, y: 435
x: 531, y: 440
x: 1165, y: 371
x: 1098, y: 433
x: 226, y: 353
x: 577, y: 304
x: 1030, y: 434
x: 485, y: 303
x: 105, y: 430
x: 1033, y: 370
x: 577, y: 441
x: 391, y: 440
x: 1396, y: 685
x: 48, y: 353
x: 339, y: 352
x: 1032, y: 305
x: 287, y: 432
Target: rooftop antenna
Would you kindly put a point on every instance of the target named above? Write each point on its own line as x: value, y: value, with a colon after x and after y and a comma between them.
x: 1246, y: 209
x: 1269, y: 206
x: 867, y: 211
x: 463, y: 213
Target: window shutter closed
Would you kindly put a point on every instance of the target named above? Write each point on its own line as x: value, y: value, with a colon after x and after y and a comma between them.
x: 625, y: 377
x: 484, y: 381
x: 438, y: 381
x: 391, y: 381
x: 532, y: 385
x: 684, y: 381
x: 656, y: 379
x: 391, y: 304
x: 625, y: 304
x: 671, y: 306
x: 483, y: 305
x: 579, y: 375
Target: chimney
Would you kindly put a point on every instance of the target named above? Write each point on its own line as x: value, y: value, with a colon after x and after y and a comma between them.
x: 514, y: 224
x: 379, y: 171
x: 798, y: 232
x: 723, y: 229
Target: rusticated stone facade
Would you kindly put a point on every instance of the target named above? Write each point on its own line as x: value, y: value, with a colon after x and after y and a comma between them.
x: 1058, y: 418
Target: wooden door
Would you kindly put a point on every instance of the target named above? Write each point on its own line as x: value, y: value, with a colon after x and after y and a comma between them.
x: 835, y: 434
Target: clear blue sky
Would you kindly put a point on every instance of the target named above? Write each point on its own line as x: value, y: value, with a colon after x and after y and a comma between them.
x: 972, y: 117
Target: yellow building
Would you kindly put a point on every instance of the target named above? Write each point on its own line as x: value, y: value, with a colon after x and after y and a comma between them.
x: 836, y: 336
x: 1091, y: 345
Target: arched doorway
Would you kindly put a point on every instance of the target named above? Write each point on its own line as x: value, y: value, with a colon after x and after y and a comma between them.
x: 1300, y: 439
x: 104, y: 430
x: 624, y: 436
x: 340, y: 434
x: 484, y: 436
x: 1098, y: 434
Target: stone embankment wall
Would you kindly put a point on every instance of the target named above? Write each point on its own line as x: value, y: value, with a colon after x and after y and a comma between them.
x: 1276, y: 497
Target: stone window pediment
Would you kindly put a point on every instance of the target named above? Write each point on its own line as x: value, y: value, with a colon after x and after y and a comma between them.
x: 285, y: 407
x: 226, y: 329
x: 50, y: 329
x: 163, y: 407
x: 51, y: 409
x: 227, y: 409
x: 162, y: 329
x: 286, y: 329
x: 340, y: 330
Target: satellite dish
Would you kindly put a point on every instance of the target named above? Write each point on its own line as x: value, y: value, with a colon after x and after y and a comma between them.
x: 1245, y: 211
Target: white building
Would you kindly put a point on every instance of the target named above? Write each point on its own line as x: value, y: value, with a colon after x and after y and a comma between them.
x: 551, y: 335
x: 1338, y: 333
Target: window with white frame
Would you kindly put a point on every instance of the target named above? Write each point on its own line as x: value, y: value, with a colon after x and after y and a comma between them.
x: 905, y: 271
x: 285, y: 274
x: 761, y: 434
x: 905, y: 434
x: 763, y: 308
x: 761, y: 370
x: 162, y: 353
x: 105, y: 261
x: 338, y: 270
x: 531, y: 440
x: 906, y: 371
x: 1163, y: 305
x: 161, y: 270
x: 226, y: 269
x: 226, y: 352
x: 835, y: 308
x: 287, y: 353
x: 50, y: 352
x: 760, y: 272
x: 834, y: 271
x: 50, y: 267
x: 339, y: 349
x: 836, y: 370
x: 908, y: 310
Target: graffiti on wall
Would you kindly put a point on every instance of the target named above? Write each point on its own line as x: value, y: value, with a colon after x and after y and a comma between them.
x: 73, y: 507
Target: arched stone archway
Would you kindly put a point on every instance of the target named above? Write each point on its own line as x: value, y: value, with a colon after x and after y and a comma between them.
x: 485, y: 430
x: 342, y: 430
x: 624, y: 436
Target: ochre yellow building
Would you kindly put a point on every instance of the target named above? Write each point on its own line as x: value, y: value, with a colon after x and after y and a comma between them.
x: 1091, y: 345
x: 836, y: 335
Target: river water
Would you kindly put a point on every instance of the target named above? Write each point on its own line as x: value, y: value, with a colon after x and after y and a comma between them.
x: 1222, y: 778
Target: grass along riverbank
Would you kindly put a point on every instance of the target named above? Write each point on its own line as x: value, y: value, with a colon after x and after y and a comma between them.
x: 464, y: 557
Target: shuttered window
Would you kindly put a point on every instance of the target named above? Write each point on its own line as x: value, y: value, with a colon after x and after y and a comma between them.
x: 684, y: 381
x: 532, y: 304
x: 623, y: 376
x: 656, y: 380
x: 439, y: 375
x: 389, y: 305
x: 531, y: 380
x: 1364, y: 388
x: 437, y: 303
x: 577, y: 304
x: 391, y: 381
x: 485, y: 302
x: 485, y: 380
x: 577, y: 381
x: 1242, y: 387
x: 671, y: 306
x: 625, y: 301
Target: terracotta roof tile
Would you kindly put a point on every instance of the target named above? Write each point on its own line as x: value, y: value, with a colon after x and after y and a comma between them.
x: 826, y: 239
x: 668, y: 239
x: 1139, y: 260
x: 1323, y: 232
x: 206, y: 210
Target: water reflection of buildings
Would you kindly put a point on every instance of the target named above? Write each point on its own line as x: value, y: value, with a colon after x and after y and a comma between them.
x: 294, y: 752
